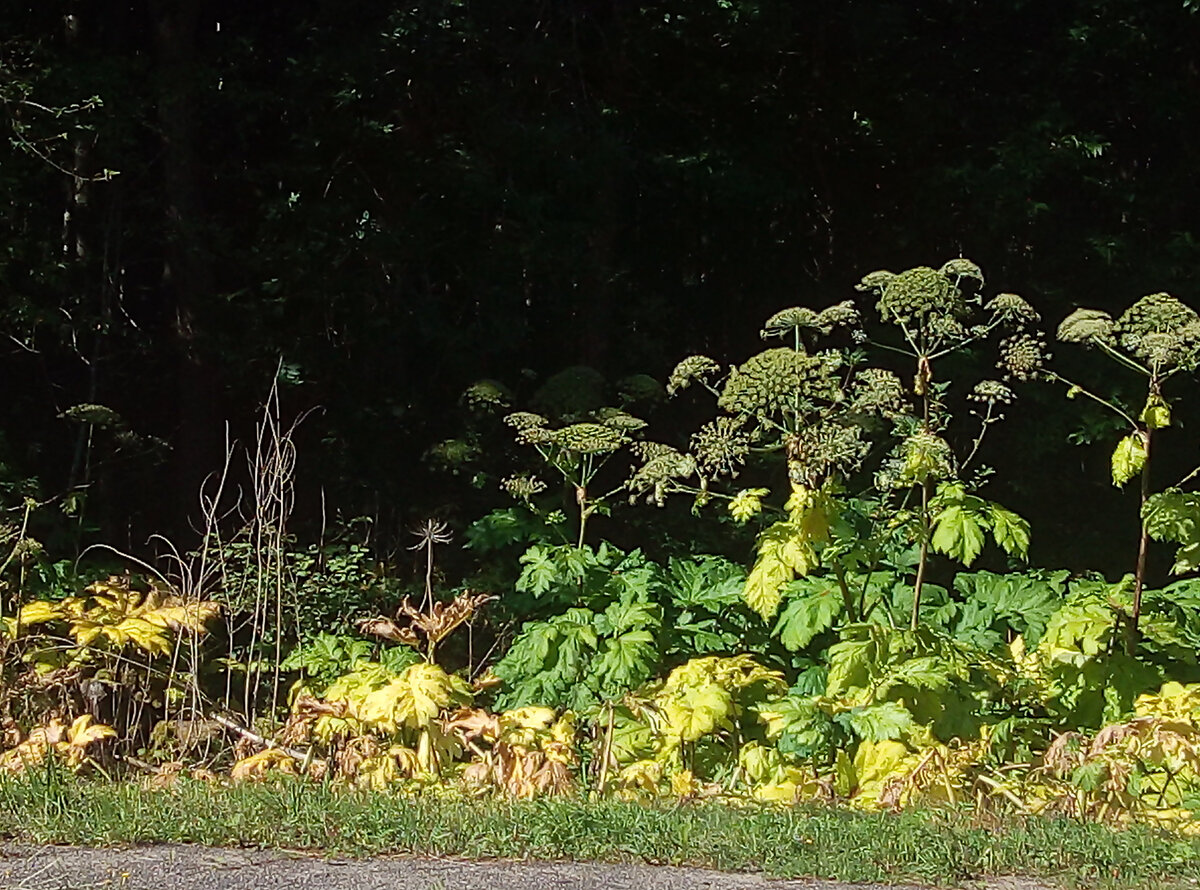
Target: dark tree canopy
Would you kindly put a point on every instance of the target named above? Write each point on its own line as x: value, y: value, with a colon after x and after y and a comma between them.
x: 394, y: 201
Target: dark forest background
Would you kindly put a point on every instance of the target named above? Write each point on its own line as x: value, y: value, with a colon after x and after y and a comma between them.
x: 396, y: 199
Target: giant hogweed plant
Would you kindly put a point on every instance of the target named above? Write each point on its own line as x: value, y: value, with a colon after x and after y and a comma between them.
x: 576, y: 423
x: 814, y: 409
x: 826, y: 414
x: 940, y: 312
x: 1157, y: 339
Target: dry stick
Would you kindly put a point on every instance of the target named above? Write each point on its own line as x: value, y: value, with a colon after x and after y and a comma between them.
x: 607, y: 753
x: 262, y: 741
x: 194, y: 574
x: 11, y: 555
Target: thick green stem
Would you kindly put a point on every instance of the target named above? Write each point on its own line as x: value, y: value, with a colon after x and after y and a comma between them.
x: 852, y: 611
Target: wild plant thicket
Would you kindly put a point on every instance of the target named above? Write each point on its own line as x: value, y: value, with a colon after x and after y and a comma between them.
x: 858, y: 658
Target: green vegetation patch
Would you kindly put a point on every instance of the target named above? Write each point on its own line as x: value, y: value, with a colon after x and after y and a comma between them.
x: 820, y: 841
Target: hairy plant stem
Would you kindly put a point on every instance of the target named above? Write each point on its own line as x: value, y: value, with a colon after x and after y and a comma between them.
x: 919, y: 583
x: 1139, y: 575
x: 924, y: 379
x: 585, y: 512
x: 428, y: 600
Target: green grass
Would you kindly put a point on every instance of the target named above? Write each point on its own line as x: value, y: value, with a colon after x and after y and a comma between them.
x: 825, y: 842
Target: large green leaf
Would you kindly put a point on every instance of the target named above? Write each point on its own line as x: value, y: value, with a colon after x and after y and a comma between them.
x: 997, y: 606
x: 800, y: 728
x: 879, y: 722
x: 958, y: 532
x: 1009, y: 530
x: 920, y: 672
x: 708, y: 582
x: 960, y: 521
x: 810, y: 609
x: 624, y: 663
x: 548, y: 661
x: 620, y: 617
x: 539, y: 572
x: 852, y: 660
x: 1174, y: 515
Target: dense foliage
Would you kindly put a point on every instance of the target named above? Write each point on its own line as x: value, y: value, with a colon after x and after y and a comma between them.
x: 823, y: 569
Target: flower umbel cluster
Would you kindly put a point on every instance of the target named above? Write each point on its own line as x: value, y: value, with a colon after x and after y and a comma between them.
x: 1013, y: 310
x: 992, y: 392
x: 823, y: 448
x: 721, y: 446
x: 523, y: 487
x: 1023, y: 357
x: 690, y: 370
x: 798, y: 318
x: 917, y: 295
x: 487, y: 395
x: 781, y: 383
x: 1161, y: 331
x: 876, y: 391
x: 662, y: 465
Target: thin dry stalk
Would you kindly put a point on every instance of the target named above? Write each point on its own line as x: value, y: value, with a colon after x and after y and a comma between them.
x: 272, y: 471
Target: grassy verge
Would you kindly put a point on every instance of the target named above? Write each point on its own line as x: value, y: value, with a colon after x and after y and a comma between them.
x: 824, y: 842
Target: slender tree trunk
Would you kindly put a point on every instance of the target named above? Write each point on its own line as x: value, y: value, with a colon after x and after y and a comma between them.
x: 78, y: 232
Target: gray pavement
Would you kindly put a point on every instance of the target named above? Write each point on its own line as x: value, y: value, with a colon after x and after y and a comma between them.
x: 180, y: 867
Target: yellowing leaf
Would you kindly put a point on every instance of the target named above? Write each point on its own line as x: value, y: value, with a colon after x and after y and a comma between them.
x: 144, y: 635
x: 531, y: 717
x: 747, y: 503
x: 810, y: 509
x: 563, y: 730
x: 696, y: 711
x: 684, y: 784
x: 1157, y: 413
x: 785, y: 550
x: 39, y: 612
x: 1128, y: 458
x: 377, y: 773
x: 1174, y: 701
x: 258, y: 766
x: 877, y: 762
x: 84, y: 732
x: 762, y: 591
x: 761, y: 763
x: 640, y: 776
x: 175, y: 614
x: 412, y: 700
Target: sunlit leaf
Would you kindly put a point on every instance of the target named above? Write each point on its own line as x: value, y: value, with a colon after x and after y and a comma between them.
x: 1128, y: 458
